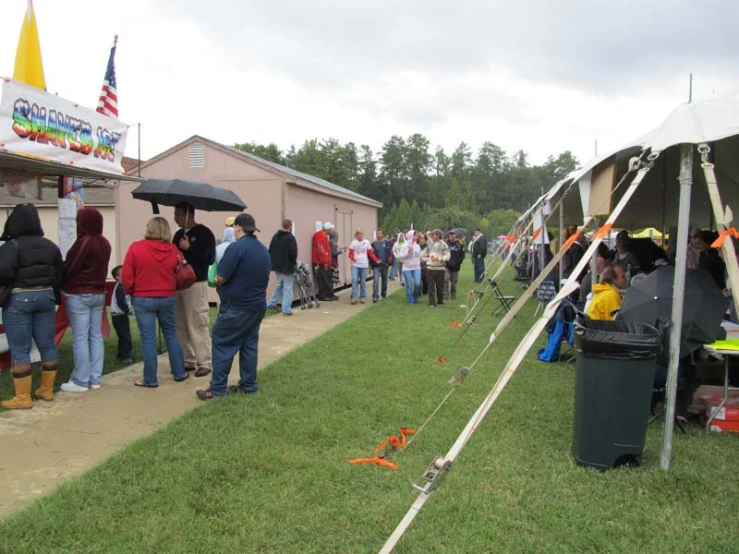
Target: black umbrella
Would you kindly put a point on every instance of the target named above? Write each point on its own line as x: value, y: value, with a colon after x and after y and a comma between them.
x: 461, y: 231
x: 650, y: 299
x: 202, y: 196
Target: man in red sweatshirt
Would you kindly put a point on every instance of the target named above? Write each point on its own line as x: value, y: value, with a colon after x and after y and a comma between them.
x: 322, y: 263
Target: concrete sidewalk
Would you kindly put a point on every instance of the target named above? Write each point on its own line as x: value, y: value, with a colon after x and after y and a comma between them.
x: 55, y: 441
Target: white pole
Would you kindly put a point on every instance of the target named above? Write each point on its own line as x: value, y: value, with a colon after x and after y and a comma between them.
x: 686, y: 183
x: 561, y: 238
x: 518, y: 355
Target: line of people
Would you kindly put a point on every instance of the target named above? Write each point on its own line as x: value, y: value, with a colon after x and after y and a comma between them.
x: 34, y: 279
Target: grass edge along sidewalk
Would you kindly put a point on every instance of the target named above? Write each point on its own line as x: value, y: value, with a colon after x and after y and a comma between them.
x: 271, y: 472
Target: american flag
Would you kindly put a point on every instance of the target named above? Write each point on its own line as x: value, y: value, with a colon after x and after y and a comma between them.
x: 108, y: 103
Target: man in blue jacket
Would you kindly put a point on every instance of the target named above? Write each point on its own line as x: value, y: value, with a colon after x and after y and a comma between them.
x: 243, y: 276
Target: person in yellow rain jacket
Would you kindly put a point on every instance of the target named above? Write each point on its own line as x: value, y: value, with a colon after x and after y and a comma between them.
x: 606, y: 294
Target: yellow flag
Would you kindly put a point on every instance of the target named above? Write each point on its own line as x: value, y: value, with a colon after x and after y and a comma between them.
x: 29, y: 68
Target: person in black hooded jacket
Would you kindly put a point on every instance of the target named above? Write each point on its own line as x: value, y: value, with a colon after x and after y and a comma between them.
x: 31, y: 267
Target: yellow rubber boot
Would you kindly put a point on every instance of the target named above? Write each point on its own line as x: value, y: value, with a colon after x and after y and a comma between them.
x: 22, y: 399
x: 48, y: 378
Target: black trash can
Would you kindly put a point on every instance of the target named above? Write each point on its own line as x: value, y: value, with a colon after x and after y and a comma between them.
x: 613, y: 391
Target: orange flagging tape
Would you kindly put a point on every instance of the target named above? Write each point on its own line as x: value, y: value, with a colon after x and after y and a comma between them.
x: 375, y: 460
x: 570, y: 241
x: 390, y: 445
x: 455, y: 325
x: 536, y: 234
x: 442, y: 359
x: 603, y: 231
x: 395, y: 442
x: 730, y: 232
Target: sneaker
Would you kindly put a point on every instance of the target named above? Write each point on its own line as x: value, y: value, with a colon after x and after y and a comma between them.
x: 126, y: 361
x: 374, y: 300
x: 73, y: 387
x: 95, y: 387
x: 353, y: 302
x: 362, y: 301
x: 287, y: 314
x: 432, y: 306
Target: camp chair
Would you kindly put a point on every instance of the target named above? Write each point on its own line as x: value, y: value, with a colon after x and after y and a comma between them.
x: 544, y: 294
x: 504, y: 302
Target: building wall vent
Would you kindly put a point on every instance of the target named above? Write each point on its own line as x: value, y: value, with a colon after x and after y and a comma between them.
x: 197, y: 155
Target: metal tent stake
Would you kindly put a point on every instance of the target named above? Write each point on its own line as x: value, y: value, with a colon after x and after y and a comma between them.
x: 686, y: 183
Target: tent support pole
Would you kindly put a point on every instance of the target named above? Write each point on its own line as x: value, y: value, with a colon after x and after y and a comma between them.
x: 518, y: 355
x: 686, y: 184
x: 561, y: 240
x: 723, y: 220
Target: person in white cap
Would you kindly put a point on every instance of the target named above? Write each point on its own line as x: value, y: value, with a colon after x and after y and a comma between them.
x: 322, y: 263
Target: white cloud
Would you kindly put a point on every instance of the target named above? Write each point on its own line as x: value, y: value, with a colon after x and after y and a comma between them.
x: 286, y: 71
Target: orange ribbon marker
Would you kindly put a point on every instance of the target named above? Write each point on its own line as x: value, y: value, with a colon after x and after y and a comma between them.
x: 389, y: 445
x: 442, y: 359
x: 730, y: 232
x: 375, y: 460
x: 455, y: 325
x: 395, y: 442
x: 536, y: 234
x: 603, y: 231
x: 570, y: 241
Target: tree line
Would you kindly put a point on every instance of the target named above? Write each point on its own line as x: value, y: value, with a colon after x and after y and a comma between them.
x: 429, y: 188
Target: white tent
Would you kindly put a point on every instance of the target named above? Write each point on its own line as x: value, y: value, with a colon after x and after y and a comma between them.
x: 669, y: 149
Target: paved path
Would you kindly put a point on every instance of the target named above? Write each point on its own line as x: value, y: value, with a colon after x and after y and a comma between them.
x: 55, y: 441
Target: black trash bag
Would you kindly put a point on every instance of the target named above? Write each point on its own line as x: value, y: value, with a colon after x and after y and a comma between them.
x: 617, y: 340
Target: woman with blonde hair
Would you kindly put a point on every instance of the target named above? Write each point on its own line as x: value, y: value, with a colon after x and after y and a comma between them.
x: 148, y: 275
x: 360, y: 253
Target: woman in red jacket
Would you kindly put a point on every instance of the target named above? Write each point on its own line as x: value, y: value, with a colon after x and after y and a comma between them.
x: 148, y: 275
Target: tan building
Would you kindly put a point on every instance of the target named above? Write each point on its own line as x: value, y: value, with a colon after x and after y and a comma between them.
x: 271, y: 191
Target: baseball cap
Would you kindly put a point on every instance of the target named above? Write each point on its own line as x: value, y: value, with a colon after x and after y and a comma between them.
x: 328, y: 226
x: 246, y: 222
x: 230, y: 221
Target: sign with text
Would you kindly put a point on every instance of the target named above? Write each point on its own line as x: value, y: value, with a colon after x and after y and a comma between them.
x: 36, y: 123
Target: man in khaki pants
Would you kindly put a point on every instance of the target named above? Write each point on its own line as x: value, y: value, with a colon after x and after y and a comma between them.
x: 198, y: 245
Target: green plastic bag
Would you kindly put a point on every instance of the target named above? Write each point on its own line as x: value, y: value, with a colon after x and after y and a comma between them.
x: 212, y: 274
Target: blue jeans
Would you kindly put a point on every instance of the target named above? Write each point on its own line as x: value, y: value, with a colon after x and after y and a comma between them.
x: 394, y: 269
x: 31, y: 315
x: 379, y: 278
x: 412, y: 279
x: 236, y: 331
x: 359, y: 280
x: 479, y: 264
x: 284, y: 290
x: 85, y: 313
x: 148, y: 311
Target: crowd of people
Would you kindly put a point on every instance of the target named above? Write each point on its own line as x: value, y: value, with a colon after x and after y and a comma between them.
x: 163, y: 279
x: 429, y: 263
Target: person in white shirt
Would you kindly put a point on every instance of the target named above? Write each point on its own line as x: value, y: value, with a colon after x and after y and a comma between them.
x: 360, y: 252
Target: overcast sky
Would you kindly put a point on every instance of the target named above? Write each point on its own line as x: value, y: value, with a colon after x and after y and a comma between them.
x: 539, y: 75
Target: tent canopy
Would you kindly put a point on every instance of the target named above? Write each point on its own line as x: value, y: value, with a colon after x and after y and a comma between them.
x: 656, y: 201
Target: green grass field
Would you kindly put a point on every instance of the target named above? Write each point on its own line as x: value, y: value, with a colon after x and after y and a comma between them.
x: 270, y: 473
